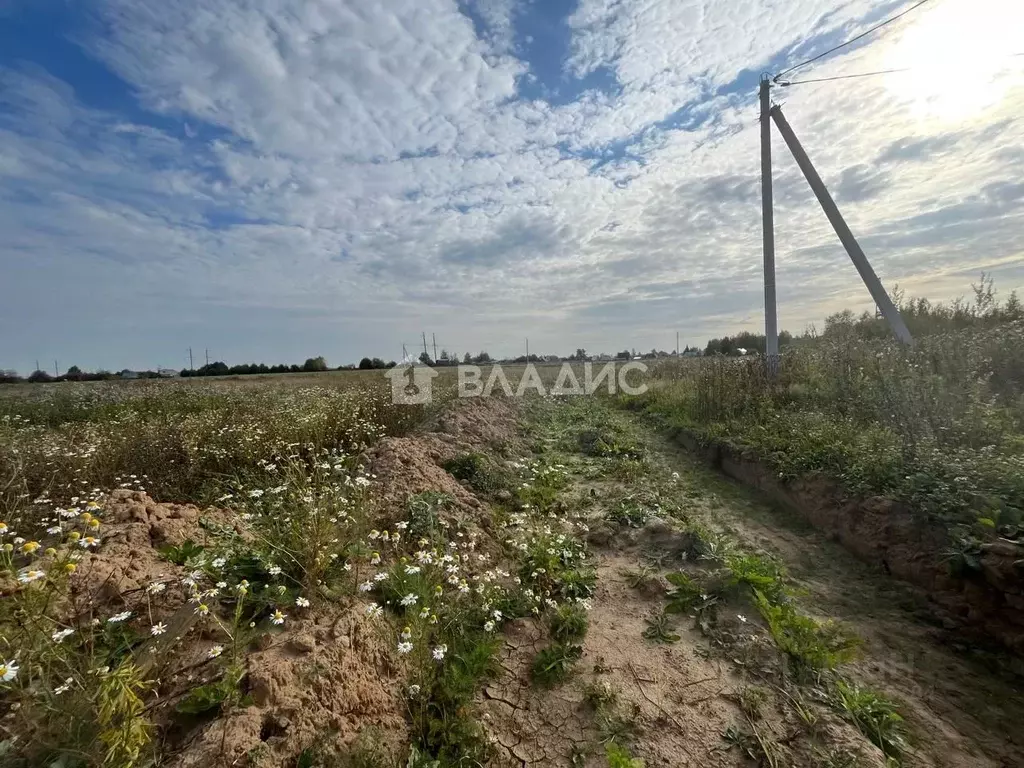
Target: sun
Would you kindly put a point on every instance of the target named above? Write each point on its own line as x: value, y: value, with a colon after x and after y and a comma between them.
x: 961, y: 57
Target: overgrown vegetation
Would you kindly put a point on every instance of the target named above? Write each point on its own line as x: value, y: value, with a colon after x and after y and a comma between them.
x: 939, y: 426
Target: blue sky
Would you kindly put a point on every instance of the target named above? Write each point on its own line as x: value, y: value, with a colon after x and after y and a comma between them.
x: 273, y: 180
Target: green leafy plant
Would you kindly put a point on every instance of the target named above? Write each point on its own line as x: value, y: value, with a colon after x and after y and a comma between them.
x: 813, y: 645
x: 555, y: 663
x: 874, y: 715
x: 215, y: 695
x: 180, y: 554
x: 619, y: 757
x: 568, y: 623
x: 659, y: 629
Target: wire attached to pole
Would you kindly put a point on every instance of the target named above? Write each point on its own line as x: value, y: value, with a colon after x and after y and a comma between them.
x: 852, y: 40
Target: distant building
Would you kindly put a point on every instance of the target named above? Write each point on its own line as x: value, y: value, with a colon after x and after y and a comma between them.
x: 126, y: 374
x: 694, y: 352
x: 167, y: 373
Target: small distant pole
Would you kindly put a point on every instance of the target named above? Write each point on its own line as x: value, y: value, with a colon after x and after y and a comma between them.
x: 55, y: 371
x: 677, y: 343
x: 37, y: 364
x: 527, y: 350
x: 425, y: 343
x: 433, y: 336
x: 190, y: 366
x: 405, y: 355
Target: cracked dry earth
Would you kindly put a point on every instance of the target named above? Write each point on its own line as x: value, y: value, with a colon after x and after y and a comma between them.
x: 681, y: 698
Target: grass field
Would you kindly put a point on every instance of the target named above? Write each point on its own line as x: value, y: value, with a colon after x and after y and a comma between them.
x: 136, y: 630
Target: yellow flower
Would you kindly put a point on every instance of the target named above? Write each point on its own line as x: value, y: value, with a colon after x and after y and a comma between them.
x: 86, y: 517
x: 74, y: 536
x: 29, y: 547
x: 8, y: 547
x: 94, y: 523
x: 70, y: 567
x: 50, y: 552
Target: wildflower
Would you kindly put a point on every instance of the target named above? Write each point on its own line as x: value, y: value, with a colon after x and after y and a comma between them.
x: 64, y: 687
x: 412, y: 570
x: 274, y: 570
x: 404, y: 647
x: 3, y: 528
x: 425, y: 612
x: 8, y: 671
x: 406, y: 633
x: 439, y: 652
x: 94, y: 523
x: 202, y: 609
x: 489, y: 626
x: 741, y: 618
x: 366, y: 586
x: 433, y: 618
x: 409, y: 599
x: 89, y: 541
x: 374, y: 610
x: 219, y: 562
x: 29, y: 547
x: 158, y: 629
x: 302, y: 602
x: 70, y: 567
x: 375, y: 559
x: 381, y: 576
x: 277, y: 618
x: 74, y: 536
x: 60, y: 634
x: 216, y: 651
x: 374, y: 534
x: 53, y: 530
x: 414, y: 690
x: 119, y: 617
x: 27, y: 577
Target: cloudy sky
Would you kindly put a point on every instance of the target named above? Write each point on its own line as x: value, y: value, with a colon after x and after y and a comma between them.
x: 274, y: 179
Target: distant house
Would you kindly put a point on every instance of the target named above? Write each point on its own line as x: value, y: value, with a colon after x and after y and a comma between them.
x: 167, y: 373
x: 126, y: 374
x: 694, y: 352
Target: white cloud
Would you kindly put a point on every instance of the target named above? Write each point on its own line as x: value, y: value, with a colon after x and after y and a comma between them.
x: 369, y: 166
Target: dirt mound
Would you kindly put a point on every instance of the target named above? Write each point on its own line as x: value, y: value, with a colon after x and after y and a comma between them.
x: 482, y: 422
x: 318, y: 687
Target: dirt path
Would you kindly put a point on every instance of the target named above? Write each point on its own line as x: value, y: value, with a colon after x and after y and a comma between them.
x: 708, y: 686
x: 963, y: 705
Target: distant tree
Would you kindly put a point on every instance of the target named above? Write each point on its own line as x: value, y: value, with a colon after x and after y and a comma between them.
x: 74, y: 373
x: 444, y: 356
x: 378, y: 363
x: 314, y: 364
x: 10, y: 376
x: 39, y: 377
x: 579, y: 354
x: 365, y: 364
x: 482, y: 358
x: 391, y: 364
x: 425, y: 359
x: 623, y: 355
x: 467, y: 359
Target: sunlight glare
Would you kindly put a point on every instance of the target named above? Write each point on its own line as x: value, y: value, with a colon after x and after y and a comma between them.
x: 962, y: 56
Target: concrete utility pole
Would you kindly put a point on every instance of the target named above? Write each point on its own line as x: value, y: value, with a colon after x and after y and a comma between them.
x: 860, y: 261
x: 190, y: 366
x: 527, y: 350
x: 433, y: 336
x: 425, y: 343
x: 771, y: 318
x: 55, y: 371
x: 207, y: 355
x: 677, y: 343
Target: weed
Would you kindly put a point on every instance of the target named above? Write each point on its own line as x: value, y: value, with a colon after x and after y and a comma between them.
x: 640, y: 578
x: 482, y: 474
x: 752, y: 700
x: 619, y: 757
x: 759, y: 573
x: 630, y: 511
x: 568, y: 623
x: 684, y: 594
x: 812, y: 645
x: 876, y: 716
x: 600, y: 696
x: 659, y: 629
x: 554, y: 664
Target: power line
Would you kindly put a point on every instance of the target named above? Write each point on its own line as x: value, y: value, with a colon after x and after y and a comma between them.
x: 787, y: 83
x: 852, y: 40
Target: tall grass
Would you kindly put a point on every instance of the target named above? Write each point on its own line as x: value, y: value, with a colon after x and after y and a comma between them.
x: 939, y: 425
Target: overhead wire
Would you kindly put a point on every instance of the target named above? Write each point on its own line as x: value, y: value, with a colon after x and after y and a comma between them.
x: 787, y: 83
x: 852, y: 40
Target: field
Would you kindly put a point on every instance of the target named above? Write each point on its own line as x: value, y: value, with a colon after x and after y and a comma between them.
x: 291, y: 571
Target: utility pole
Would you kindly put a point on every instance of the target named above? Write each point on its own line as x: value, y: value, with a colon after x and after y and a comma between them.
x: 425, y: 343
x: 405, y: 355
x: 677, y: 343
x: 190, y: 358
x: 527, y: 350
x: 207, y: 355
x: 771, y: 319
x: 433, y: 337
x: 55, y: 371
x: 37, y: 364
x: 860, y: 261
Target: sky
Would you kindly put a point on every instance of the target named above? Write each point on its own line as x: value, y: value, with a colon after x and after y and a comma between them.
x: 272, y: 179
